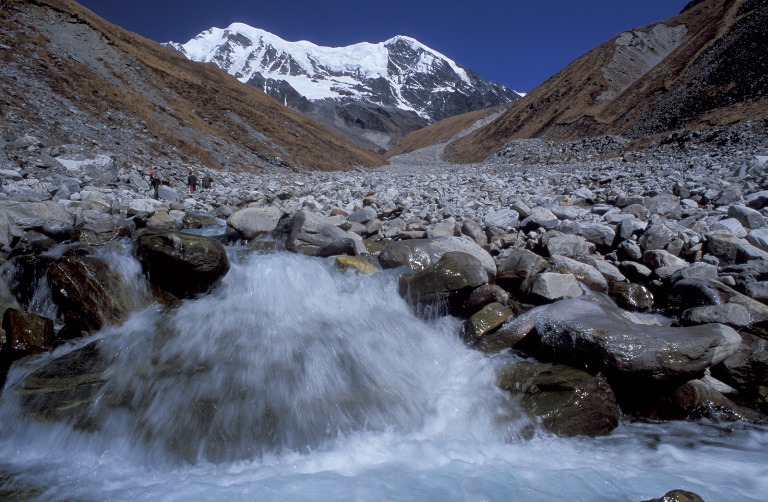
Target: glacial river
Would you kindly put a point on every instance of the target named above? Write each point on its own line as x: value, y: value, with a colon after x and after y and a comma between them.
x: 295, y: 382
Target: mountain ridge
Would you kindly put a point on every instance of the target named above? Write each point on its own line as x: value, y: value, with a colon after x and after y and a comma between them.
x: 713, y: 73
x: 372, y: 93
x: 91, y: 82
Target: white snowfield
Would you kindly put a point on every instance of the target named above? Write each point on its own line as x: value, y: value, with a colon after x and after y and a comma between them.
x: 314, y: 71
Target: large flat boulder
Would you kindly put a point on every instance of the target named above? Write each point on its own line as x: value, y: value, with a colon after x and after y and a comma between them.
x: 18, y: 217
x: 313, y: 234
x: 592, y: 333
x: 254, y: 221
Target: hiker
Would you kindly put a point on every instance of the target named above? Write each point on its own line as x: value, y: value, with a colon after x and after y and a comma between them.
x: 192, y: 182
x: 207, y: 180
x: 155, y: 179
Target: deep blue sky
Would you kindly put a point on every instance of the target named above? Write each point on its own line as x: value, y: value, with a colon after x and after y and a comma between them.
x: 518, y: 43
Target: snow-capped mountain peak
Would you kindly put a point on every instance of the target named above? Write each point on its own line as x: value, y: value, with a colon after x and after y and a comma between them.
x: 400, y: 73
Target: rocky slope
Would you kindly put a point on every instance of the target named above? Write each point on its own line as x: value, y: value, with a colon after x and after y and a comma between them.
x: 70, y: 78
x: 371, y: 93
x: 703, y: 68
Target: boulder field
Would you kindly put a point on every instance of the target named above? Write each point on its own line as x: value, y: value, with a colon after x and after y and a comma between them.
x: 633, y: 285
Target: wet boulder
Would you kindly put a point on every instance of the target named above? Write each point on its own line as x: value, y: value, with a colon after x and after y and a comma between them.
x: 26, y: 333
x: 88, y: 293
x: 64, y: 389
x: 565, y: 401
x: 747, y: 371
x: 591, y: 333
x: 631, y: 296
x: 417, y: 254
x: 181, y: 264
x: 448, y: 282
x: 363, y: 264
x: 346, y: 247
x: 33, y: 242
x: 477, y: 330
x: 310, y: 232
x: 487, y: 294
x: 23, y: 274
x: 199, y: 220
x: 698, y: 399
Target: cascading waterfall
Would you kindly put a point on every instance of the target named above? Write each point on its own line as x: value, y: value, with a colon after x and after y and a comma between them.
x: 295, y: 381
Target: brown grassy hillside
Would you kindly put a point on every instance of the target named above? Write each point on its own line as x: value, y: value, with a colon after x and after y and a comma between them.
x: 62, y: 62
x: 706, y: 67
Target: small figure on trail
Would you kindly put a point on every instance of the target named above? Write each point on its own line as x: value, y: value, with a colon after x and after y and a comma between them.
x: 155, y: 179
x: 192, y: 182
x: 207, y: 180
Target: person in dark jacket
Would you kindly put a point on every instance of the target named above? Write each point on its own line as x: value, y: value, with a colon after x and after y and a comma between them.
x: 192, y: 182
x: 155, y: 179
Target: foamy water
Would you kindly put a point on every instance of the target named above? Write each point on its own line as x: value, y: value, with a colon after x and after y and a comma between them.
x: 293, y: 381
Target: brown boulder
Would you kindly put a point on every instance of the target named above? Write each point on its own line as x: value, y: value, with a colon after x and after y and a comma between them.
x: 566, y: 401
x: 181, y: 264
x: 27, y: 333
x: 88, y: 294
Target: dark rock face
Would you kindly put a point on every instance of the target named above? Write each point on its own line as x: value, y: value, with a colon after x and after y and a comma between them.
x: 24, y: 274
x: 27, y: 333
x: 181, y: 264
x: 566, y: 401
x: 88, y: 294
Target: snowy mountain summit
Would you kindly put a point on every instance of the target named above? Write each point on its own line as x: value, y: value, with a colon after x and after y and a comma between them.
x: 373, y: 93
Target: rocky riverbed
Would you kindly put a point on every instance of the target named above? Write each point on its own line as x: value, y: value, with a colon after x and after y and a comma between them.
x: 636, y: 278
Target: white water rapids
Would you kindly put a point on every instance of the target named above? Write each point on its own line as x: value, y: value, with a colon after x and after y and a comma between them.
x: 293, y: 381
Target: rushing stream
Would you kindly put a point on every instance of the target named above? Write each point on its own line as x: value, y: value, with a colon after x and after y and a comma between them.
x: 293, y: 381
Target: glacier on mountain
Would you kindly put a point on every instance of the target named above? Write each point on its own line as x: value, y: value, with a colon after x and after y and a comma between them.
x: 368, y: 87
